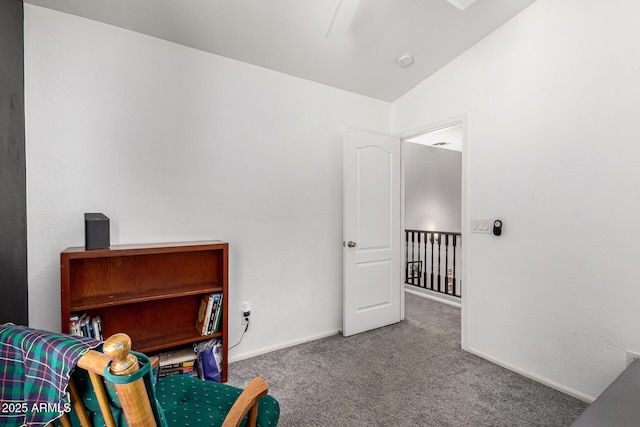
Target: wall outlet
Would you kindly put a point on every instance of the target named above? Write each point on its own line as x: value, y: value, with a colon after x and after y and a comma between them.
x: 631, y: 356
x: 246, y: 320
x: 245, y: 312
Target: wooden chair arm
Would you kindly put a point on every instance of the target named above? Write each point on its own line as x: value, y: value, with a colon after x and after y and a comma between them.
x: 93, y: 361
x: 247, y: 402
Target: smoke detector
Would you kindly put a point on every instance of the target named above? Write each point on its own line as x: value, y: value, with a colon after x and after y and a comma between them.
x: 405, y: 59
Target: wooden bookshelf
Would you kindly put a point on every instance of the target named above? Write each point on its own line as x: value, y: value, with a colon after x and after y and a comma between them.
x: 150, y: 292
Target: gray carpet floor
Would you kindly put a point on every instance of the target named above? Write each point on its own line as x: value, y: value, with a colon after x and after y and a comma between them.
x: 413, y: 373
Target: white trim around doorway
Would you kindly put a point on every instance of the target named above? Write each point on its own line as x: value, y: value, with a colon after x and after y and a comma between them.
x: 436, y: 125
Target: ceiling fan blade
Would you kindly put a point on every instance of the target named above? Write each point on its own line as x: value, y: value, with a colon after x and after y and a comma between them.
x: 342, y: 17
x: 462, y: 4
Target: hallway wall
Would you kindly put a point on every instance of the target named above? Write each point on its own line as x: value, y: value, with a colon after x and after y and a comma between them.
x: 433, y: 188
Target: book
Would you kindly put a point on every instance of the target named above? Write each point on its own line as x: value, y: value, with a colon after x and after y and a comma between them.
x: 101, y: 336
x: 215, y: 324
x: 186, y: 364
x: 204, y: 314
x: 187, y: 367
x: 164, y: 370
x: 177, y: 356
x: 74, y: 329
x: 217, y: 299
x: 89, y: 321
x: 82, y: 325
x: 95, y: 326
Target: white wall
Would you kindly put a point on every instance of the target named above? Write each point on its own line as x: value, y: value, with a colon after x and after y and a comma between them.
x: 433, y: 188
x: 174, y: 144
x: 553, y: 102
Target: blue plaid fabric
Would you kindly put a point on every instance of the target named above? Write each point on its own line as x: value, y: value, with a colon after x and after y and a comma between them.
x: 34, y: 372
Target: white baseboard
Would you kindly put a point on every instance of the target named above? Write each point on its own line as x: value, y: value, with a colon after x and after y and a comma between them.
x: 280, y: 346
x: 535, y: 377
x: 445, y: 299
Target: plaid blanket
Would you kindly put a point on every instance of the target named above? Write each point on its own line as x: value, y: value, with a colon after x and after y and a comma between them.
x: 34, y: 371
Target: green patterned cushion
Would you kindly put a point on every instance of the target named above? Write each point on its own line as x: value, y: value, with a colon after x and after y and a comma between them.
x: 189, y: 401
x: 90, y: 400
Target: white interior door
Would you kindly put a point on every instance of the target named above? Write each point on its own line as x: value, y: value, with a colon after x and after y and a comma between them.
x: 371, y: 218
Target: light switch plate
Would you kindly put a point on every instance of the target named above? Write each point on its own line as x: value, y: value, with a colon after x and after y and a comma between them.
x: 482, y: 226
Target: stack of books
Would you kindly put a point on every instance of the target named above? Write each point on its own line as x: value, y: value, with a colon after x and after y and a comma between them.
x: 209, y: 314
x: 84, y: 325
x: 178, y: 362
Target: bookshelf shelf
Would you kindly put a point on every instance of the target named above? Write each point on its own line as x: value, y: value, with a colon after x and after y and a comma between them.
x: 150, y: 292
x: 133, y: 296
x: 178, y: 337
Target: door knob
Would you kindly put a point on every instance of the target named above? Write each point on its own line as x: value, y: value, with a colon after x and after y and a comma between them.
x: 351, y: 244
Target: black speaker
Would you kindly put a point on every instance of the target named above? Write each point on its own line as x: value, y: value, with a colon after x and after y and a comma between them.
x: 96, y: 231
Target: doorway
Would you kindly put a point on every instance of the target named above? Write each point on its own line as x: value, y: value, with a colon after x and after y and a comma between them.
x: 437, y: 128
x: 434, y: 201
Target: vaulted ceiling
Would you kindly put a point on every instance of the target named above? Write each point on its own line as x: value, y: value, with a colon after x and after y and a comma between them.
x: 348, y: 44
